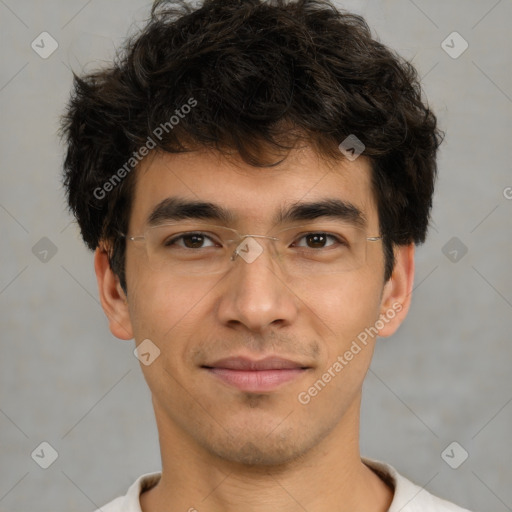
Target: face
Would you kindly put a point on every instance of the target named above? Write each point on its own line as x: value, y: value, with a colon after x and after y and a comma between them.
x: 307, y: 331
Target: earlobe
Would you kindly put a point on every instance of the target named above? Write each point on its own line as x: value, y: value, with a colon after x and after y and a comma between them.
x: 396, y: 297
x: 112, y: 297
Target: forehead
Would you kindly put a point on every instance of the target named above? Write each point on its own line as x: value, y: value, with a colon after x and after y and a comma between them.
x: 253, y: 195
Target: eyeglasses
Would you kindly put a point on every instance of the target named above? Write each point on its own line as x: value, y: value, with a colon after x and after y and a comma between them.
x: 193, y: 248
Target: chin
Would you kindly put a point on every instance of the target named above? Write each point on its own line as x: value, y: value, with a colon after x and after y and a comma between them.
x: 261, y: 449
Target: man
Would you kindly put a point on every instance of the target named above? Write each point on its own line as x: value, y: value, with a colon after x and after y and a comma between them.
x: 253, y: 177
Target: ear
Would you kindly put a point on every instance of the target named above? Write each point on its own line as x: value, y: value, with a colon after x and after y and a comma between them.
x: 396, y: 296
x: 112, y: 297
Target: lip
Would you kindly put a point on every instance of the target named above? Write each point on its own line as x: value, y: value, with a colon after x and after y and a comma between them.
x: 256, y: 375
x: 246, y: 363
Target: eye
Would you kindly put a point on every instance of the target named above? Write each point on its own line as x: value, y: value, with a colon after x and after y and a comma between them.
x: 190, y: 241
x: 318, y: 240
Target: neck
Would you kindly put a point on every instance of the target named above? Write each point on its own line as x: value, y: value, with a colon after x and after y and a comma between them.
x: 329, y: 477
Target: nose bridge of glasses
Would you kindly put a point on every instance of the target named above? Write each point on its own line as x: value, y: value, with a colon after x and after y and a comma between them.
x: 249, y: 248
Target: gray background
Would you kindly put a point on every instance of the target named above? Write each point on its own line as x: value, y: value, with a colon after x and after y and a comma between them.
x: 444, y: 377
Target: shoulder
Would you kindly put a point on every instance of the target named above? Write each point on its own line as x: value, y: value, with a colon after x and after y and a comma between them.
x: 130, y: 502
x: 409, y: 497
x: 113, y: 506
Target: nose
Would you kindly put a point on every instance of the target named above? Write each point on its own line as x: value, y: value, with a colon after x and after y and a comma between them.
x: 255, y: 293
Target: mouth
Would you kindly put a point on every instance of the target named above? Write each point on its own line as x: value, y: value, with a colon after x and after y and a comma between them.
x: 256, y: 375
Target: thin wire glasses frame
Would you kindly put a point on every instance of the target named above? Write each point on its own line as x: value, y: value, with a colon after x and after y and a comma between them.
x: 347, y: 253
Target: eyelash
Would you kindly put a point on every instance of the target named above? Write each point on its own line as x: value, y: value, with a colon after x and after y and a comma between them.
x: 172, y: 241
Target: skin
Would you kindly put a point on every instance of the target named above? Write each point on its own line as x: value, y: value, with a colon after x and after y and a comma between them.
x: 227, y: 450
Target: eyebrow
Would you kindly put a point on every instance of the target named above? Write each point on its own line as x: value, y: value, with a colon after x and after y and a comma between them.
x: 176, y: 208
x: 333, y: 208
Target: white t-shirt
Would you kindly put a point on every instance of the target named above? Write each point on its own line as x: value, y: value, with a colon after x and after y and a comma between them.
x: 408, y: 497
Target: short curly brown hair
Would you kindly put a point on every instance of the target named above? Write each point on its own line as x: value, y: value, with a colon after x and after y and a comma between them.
x: 264, y: 75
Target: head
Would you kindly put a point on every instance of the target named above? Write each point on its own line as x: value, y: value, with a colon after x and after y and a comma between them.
x: 244, y: 105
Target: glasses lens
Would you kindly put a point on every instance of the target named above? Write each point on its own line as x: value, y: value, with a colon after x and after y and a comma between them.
x: 189, y: 248
x: 328, y: 248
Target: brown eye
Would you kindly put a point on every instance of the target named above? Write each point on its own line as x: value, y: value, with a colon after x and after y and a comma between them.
x: 193, y: 241
x: 316, y: 240
x: 190, y: 241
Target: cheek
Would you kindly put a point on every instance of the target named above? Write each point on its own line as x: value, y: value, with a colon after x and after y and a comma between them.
x: 169, y: 312
x: 342, y: 306
x: 343, y: 317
